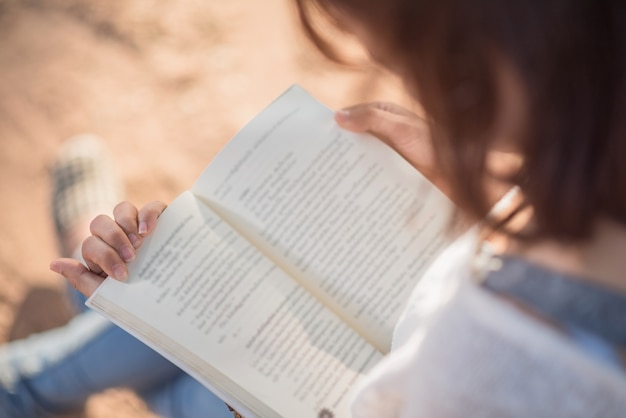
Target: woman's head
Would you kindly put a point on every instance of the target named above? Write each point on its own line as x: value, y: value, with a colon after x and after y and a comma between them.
x: 544, y: 77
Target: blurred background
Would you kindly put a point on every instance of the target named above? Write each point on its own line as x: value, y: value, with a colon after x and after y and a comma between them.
x: 166, y: 84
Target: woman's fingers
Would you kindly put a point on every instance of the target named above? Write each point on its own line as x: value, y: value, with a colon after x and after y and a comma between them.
x: 398, y: 127
x: 83, y: 280
x: 113, y: 234
x: 110, y: 246
x: 148, y: 215
x: 113, y: 242
x: 401, y: 129
x: 386, y: 121
x: 101, y: 258
x: 125, y: 214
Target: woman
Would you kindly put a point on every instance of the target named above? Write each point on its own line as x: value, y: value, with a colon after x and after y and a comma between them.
x: 537, y: 326
x: 545, y: 332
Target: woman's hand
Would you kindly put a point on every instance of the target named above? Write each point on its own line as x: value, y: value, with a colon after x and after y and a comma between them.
x: 110, y: 246
x: 401, y: 129
x: 398, y: 127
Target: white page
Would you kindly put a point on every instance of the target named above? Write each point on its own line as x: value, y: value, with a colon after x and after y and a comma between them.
x: 204, y: 297
x: 342, y: 211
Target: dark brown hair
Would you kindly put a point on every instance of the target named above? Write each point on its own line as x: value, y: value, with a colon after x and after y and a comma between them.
x: 570, y: 56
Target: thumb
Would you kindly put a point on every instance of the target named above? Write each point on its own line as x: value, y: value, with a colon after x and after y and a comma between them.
x: 387, y: 121
x: 85, y: 281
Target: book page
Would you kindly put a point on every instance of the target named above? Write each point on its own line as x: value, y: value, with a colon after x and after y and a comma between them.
x: 342, y: 212
x: 208, y: 300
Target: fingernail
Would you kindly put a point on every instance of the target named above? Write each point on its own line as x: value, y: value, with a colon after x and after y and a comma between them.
x: 135, y: 240
x: 343, y: 114
x: 119, y: 272
x: 143, y: 227
x: 55, y: 267
x: 127, y: 253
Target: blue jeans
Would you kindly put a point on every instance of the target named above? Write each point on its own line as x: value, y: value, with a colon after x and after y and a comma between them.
x: 59, y: 369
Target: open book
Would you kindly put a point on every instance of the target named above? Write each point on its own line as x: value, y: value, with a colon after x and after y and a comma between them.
x: 277, y: 280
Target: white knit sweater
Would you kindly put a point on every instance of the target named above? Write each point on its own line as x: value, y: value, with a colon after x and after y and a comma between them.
x: 461, y: 352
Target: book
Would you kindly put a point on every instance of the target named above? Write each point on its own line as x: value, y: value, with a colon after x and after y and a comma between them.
x: 277, y: 279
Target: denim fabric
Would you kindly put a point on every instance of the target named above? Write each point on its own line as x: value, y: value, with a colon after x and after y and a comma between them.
x: 591, y: 314
x: 56, y: 371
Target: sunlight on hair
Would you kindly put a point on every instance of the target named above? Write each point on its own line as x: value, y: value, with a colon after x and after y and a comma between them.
x: 327, y: 32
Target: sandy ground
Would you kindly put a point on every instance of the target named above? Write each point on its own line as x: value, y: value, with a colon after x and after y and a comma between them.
x: 165, y: 83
